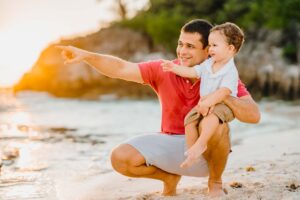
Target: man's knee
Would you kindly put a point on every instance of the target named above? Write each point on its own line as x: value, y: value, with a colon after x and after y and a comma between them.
x: 125, y: 156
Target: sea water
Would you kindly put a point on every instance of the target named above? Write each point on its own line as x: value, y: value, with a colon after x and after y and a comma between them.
x: 52, y: 139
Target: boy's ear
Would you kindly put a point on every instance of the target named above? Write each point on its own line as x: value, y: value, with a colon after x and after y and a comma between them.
x: 232, y: 48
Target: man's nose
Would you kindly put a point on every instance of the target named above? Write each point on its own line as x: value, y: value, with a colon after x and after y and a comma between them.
x: 182, y: 51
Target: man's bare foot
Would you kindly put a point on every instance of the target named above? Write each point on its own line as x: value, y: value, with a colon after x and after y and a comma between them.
x: 215, y: 189
x: 170, y: 185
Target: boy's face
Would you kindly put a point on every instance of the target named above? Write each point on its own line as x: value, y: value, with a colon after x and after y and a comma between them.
x: 190, y: 50
x: 219, y: 49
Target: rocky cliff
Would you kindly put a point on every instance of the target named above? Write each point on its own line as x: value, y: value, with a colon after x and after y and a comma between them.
x: 264, y: 70
x: 260, y: 65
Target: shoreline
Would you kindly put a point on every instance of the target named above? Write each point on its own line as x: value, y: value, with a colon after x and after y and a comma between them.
x: 266, y: 167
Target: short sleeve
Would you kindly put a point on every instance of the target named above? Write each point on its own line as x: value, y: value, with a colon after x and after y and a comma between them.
x: 202, y: 67
x: 242, y: 90
x: 151, y: 72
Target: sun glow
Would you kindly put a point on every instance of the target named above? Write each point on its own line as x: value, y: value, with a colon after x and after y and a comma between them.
x: 19, y: 54
x: 27, y: 27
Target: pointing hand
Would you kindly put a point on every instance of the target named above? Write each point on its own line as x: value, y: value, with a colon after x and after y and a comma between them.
x: 72, y: 54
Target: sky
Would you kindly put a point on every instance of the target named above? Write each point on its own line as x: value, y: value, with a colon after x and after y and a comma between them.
x: 28, y: 26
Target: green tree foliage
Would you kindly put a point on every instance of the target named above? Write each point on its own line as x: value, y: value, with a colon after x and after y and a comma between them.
x: 164, y: 18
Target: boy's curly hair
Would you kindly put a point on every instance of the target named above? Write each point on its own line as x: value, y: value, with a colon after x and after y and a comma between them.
x: 232, y: 32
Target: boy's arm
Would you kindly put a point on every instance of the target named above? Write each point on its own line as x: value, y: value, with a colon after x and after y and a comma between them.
x: 110, y: 66
x: 244, y: 108
x: 188, y: 72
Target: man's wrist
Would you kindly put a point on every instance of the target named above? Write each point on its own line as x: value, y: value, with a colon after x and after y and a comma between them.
x: 228, y: 100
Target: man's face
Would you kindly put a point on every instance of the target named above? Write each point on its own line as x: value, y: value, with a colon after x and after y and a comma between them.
x: 190, y: 50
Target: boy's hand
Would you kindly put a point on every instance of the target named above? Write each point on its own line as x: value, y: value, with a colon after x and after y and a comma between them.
x: 72, y: 54
x: 211, y: 109
x: 167, y: 65
x: 203, y: 109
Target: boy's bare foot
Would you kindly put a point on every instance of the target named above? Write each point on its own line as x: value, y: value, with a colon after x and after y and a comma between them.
x: 193, y: 155
x: 170, y: 185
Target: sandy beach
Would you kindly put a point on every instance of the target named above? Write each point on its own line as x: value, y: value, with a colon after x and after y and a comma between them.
x: 260, y: 167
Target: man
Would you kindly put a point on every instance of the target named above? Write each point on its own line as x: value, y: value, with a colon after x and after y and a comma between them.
x: 159, y: 155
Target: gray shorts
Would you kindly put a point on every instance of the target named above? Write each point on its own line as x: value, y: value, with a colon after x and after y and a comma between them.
x: 167, y: 153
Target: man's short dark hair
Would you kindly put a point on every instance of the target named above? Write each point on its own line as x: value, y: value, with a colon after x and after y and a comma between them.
x: 200, y: 26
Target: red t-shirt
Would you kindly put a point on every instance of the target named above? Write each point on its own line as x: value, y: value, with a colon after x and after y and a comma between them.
x: 177, y: 95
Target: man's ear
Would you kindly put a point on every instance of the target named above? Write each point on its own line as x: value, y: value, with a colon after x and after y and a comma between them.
x: 206, y: 48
